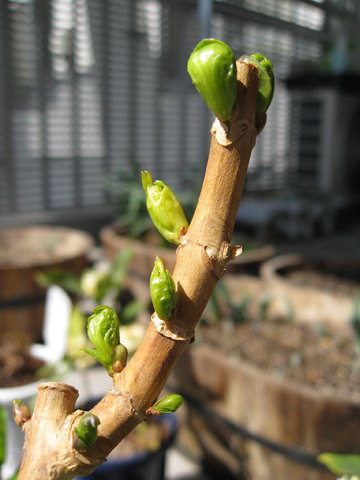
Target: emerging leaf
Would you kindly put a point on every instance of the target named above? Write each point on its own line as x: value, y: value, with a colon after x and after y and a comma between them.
x: 103, y: 331
x: 168, y: 404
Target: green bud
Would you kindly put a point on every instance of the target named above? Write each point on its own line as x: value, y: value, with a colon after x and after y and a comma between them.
x: 103, y: 330
x: 86, y: 433
x: 119, y: 358
x: 212, y: 68
x: 341, y: 463
x: 21, y: 412
x: 164, y: 208
x: 266, y: 79
x: 162, y: 291
x: 168, y: 404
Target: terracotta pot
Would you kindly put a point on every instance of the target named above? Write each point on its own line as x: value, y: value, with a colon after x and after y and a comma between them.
x: 23, y: 253
x: 243, y: 423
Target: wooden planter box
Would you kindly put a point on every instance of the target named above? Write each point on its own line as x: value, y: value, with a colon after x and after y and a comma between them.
x: 23, y: 253
x: 308, y: 302
x: 245, y: 424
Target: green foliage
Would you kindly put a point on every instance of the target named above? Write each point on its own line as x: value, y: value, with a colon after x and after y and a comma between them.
x: 100, y: 285
x: 222, y: 305
x: 104, y: 332
x: 341, y: 464
x: 131, y: 311
x: 164, y: 208
x: 66, y: 280
x: 212, y: 68
x: 162, y: 291
x: 124, y: 192
x: 168, y: 404
x: 92, y: 283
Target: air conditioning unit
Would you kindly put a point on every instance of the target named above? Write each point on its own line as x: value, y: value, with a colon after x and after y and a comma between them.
x: 324, y: 141
x: 323, y: 162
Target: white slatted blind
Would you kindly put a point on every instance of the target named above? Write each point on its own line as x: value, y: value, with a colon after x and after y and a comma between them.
x: 88, y: 86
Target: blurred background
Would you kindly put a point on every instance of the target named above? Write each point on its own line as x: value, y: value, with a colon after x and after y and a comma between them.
x: 89, y: 87
x: 94, y: 91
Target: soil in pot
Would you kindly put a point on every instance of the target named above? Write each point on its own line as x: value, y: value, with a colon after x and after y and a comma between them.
x: 318, y: 275
x: 26, y: 251
x: 17, y: 366
x: 322, y: 357
x: 313, y: 291
x: 268, y: 384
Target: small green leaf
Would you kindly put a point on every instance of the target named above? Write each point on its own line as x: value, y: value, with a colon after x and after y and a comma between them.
x: 168, y: 404
x: 85, y: 433
x: 341, y: 464
x: 266, y: 79
x: 162, y: 291
x: 212, y: 68
x: 95, y: 354
x: 164, y: 208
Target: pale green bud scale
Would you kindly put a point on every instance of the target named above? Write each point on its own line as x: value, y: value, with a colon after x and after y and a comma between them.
x: 164, y: 208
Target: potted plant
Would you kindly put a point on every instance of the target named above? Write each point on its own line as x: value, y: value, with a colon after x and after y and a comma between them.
x: 19, y: 378
x: 316, y: 289
x: 24, y: 252
x: 142, y: 454
x: 64, y: 443
x: 133, y: 228
x: 23, y: 364
x: 267, y: 393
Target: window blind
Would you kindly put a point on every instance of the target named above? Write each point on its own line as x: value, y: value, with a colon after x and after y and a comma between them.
x: 89, y: 87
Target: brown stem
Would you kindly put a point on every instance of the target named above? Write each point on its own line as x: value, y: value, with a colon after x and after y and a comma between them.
x: 201, y: 260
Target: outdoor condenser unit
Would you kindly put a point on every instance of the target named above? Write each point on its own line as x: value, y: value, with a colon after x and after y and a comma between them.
x: 324, y: 141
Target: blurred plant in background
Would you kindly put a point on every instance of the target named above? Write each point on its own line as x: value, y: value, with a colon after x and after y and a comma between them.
x: 125, y: 193
x: 346, y: 465
x: 98, y: 285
